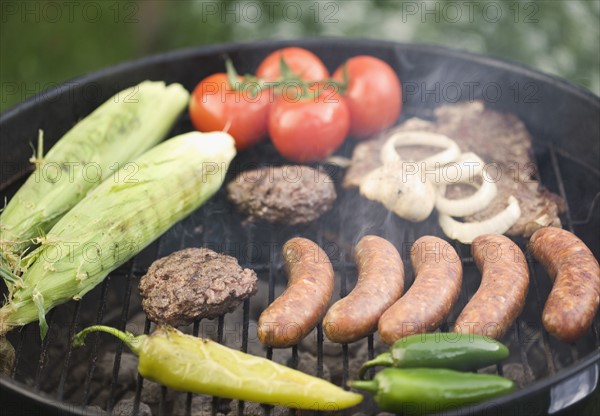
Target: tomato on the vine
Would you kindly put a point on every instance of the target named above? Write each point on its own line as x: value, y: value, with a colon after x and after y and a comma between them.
x: 303, y: 63
x: 216, y: 106
x: 373, y: 95
x: 307, y: 129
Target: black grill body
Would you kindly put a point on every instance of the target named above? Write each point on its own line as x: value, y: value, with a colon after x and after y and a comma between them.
x: 50, y: 377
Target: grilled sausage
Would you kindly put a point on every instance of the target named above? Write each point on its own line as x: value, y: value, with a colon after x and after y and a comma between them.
x: 300, y: 307
x: 438, y: 278
x: 503, y: 289
x: 380, y: 283
x: 575, y: 295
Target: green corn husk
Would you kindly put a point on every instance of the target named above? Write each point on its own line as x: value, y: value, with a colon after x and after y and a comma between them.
x: 116, y: 221
x: 124, y: 127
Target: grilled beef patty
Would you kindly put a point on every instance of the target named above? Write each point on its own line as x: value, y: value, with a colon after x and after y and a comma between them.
x: 498, y: 138
x: 194, y: 283
x: 290, y: 194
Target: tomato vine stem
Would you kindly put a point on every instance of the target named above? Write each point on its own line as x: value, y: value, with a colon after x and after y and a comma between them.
x: 308, y: 89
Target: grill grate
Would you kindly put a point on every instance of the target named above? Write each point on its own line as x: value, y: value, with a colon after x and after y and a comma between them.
x: 65, y: 369
x: 529, y: 343
x: 569, y: 217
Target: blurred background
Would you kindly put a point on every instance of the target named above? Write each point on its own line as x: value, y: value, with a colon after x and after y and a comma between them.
x: 44, y: 43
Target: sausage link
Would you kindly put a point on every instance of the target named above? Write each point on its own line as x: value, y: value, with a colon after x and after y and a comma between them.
x: 300, y: 307
x: 438, y: 278
x: 501, y: 295
x: 575, y: 295
x: 380, y: 283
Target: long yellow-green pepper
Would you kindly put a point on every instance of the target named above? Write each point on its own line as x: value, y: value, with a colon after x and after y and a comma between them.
x: 94, y: 149
x: 198, y: 365
x: 116, y: 221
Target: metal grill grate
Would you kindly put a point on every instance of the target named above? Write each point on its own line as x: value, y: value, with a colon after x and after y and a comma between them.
x: 539, y: 355
x: 49, y: 368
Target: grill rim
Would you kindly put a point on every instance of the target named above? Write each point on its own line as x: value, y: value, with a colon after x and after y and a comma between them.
x: 539, y: 387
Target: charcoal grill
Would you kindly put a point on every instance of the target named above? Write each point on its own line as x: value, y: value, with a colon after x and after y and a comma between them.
x: 50, y: 377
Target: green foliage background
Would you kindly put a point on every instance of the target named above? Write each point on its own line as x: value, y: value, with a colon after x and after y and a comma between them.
x: 44, y: 43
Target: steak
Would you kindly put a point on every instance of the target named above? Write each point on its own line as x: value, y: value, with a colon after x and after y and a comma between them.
x: 498, y: 138
x: 290, y: 194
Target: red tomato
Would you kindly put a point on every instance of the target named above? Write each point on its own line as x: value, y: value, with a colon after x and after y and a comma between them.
x: 308, y: 129
x: 374, y: 96
x: 302, y: 62
x: 215, y: 106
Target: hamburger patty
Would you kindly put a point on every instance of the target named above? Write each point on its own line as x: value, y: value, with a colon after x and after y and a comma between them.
x: 290, y: 194
x: 194, y: 283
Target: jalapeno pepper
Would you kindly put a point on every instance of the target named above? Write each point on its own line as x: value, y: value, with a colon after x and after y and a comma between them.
x: 428, y: 390
x: 440, y: 350
x: 182, y: 362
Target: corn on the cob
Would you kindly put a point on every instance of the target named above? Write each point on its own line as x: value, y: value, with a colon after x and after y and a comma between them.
x: 122, y: 128
x: 117, y: 220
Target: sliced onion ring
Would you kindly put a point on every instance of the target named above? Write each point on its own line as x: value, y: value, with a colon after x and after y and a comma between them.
x: 468, y: 163
x: 341, y: 161
x: 466, y: 232
x: 389, y: 154
x: 469, y: 205
x: 406, y: 196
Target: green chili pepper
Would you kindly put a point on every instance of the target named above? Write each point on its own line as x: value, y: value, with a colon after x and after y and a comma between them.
x: 428, y: 390
x: 440, y: 350
x: 197, y: 365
